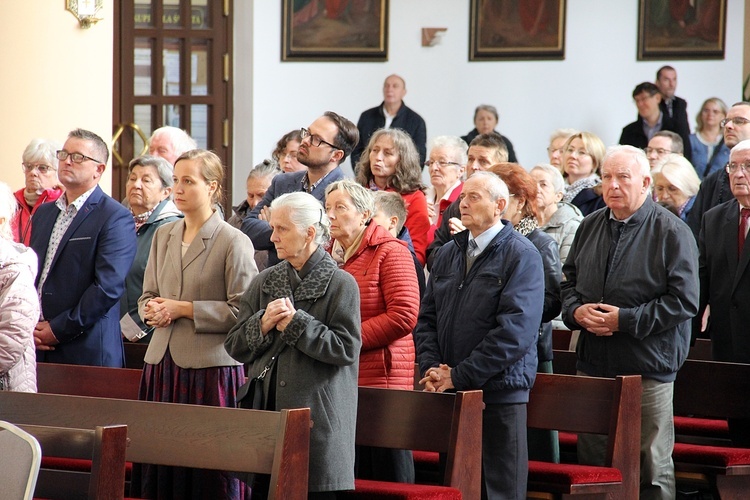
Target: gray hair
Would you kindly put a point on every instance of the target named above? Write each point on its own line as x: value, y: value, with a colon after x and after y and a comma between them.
x: 263, y: 169
x: 456, y: 145
x: 180, y: 139
x: 162, y: 166
x: 42, y: 151
x: 561, y: 133
x: 558, y: 183
x: 680, y: 173
x: 305, y: 211
x: 489, y: 109
x: 638, y: 156
x: 494, y: 185
x: 740, y: 146
x: 362, y: 198
x: 8, y: 206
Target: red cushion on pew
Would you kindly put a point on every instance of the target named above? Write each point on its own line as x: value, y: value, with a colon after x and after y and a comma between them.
x: 364, y: 489
x: 76, y: 465
x: 722, y: 456
x: 572, y: 473
x: 708, y: 427
x: 568, y: 440
x: 426, y: 458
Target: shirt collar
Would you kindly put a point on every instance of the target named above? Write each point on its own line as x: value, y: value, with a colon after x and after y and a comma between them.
x: 62, y: 201
x: 483, y: 240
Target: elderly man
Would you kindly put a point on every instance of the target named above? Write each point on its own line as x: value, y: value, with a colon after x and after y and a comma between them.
x: 632, y: 289
x: 169, y: 143
x: 715, y: 188
x: 325, y: 144
x: 86, y: 244
x: 392, y: 113
x: 662, y: 144
x: 484, y: 151
x: 479, y: 324
x: 650, y: 119
x: 725, y: 276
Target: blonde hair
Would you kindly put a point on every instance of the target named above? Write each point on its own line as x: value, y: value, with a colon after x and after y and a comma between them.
x: 211, y: 169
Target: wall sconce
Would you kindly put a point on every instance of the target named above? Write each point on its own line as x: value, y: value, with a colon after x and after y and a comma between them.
x: 432, y: 36
x: 85, y: 11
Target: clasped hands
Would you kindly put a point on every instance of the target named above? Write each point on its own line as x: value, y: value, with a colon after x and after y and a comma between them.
x: 598, y: 318
x: 437, y: 379
x: 160, y: 312
x: 279, y: 314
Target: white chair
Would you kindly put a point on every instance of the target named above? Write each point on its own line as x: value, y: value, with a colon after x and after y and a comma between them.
x: 20, y: 459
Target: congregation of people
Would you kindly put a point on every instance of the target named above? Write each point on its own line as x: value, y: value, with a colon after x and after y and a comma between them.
x: 327, y: 283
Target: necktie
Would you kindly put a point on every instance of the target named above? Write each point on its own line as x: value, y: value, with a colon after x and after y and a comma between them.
x: 742, y: 233
x: 471, y: 254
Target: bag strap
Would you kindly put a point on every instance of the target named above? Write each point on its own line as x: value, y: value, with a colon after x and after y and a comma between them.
x: 271, y: 362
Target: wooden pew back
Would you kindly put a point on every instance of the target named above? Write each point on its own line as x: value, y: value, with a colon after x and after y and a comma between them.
x: 275, y: 443
x: 92, y: 381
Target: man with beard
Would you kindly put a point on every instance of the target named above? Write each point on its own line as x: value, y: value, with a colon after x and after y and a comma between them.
x: 325, y: 145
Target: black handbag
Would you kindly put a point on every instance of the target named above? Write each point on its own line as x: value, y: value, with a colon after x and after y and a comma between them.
x: 252, y: 395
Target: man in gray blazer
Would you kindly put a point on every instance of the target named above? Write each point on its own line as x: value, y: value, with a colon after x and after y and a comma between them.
x: 325, y: 145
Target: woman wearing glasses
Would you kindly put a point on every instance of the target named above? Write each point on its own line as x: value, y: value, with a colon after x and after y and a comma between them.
x: 390, y: 162
x: 709, y: 153
x: 446, y: 165
x: 285, y: 153
x: 581, y: 159
x: 41, y: 185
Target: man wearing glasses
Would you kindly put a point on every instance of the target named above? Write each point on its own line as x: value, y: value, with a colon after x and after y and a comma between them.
x: 725, y: 275
x: 325, y: 145
x: 661, y: 144
x: 86, y: 244
x: 715, y: 187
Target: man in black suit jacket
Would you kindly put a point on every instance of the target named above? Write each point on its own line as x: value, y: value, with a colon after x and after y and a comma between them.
x: 651, y: 119
x: 725, y: 275
x: 671, y: 105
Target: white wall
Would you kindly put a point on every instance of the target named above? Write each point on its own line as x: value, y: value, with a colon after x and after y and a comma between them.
x: 589, y: 90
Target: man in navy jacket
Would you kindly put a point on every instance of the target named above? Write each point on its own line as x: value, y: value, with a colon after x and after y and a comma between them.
x: 86, y: 244
x: 478, y: 328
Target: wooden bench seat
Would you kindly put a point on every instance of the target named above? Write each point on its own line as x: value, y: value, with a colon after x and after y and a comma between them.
x: 275, y: 443
x: 576, y: 404
x: 427, y: 422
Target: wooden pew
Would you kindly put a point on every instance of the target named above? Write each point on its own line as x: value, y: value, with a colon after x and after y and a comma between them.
x: 591, y: 405
x: 714, y: 390
x: 426, y: 421
x: 275, y: 443
x: 93, y: 381
x: 104, y: 447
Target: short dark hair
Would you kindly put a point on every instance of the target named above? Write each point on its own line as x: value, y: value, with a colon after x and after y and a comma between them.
x: 494, y: 141
x: 647, y: 87
x: 664, y: 68
x: 100, y: 147
x: 347, y: 136
x: 294, y: 135
x: 678, y: 145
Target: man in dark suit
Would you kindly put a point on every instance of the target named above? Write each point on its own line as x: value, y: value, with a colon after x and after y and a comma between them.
x: 86, y: 244
x: 392, y: 113
x: 671, y: 105
x: 651, y: 119
x: 325, y: 144
x: 725, y: 275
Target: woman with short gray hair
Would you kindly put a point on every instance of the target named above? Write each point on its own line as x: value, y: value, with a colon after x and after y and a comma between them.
x: 486, y: 119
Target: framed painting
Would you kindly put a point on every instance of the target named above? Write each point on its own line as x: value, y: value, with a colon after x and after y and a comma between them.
x: 681, y: 29
x: 516, y: 29
x: 334, y: 30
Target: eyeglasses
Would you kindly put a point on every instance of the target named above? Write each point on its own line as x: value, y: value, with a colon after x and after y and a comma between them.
x: 554, y: 150
x: 41, y: 167
x: 314, y: 139
x: 737, y: 120
x: 62, y: 155
x: 574, y: 152
x: 440, y: 164
x: 658, y: 151
x: 732, y: 167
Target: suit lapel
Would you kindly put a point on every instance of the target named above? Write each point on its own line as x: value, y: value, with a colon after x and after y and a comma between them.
x: 88, y: 207
x: 743, y: 259
x: 200, y: 243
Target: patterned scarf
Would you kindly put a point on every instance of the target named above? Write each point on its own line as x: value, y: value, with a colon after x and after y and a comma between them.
x: 526, y: 225
x: 141, y: 219
x: 572, y: 190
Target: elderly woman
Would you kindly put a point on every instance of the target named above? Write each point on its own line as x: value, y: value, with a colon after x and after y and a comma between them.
x: 19, y: 304
x: 557, y: 141
x: 446, y: 166
x: 709, y: 153
x: 305, y: 311
x: 676, y: 184
x: 522, y: 213
x: 486, y: 119
x: 197, y: 271
x: 285, y: 153
x: 41, y: 185
x: 390, y: 162
x: 556, y: 217
x: 149, y: 193
x: 389, y: 306
x: 582, y: 157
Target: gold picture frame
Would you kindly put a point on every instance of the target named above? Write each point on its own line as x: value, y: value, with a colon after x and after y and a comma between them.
x: 516, y: 29
x: 334, y: 30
